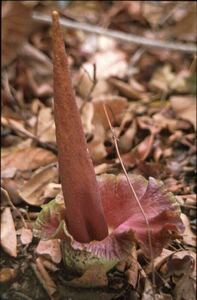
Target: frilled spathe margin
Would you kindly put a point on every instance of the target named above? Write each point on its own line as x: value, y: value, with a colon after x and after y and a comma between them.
x: 125, y: 222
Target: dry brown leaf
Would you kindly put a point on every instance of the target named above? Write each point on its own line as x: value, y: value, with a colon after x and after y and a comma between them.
x: 95, y: 276
x: 160, y: 260
x: 51, y: 190
x: 16, y: 26
x: 185, y: 28
x: 140, y: 152
x: 47, y: 282
x: 102, y: 168
x: 189, y: 238
x: 26, y: 236
x: 8, y: 233
x: 33, y: 191
x: 182, y: 269
x: 87, y: 114
x: 97, y: 149
x: 125, y: 89
x: 164, y: 79
x: 116, y: 106
x: 132, y: 272
x: 7, y: 274
x: 126, y: 140
x: 27, y: 159
x: 46, y: 126
x: 17, y: 126
x: 108, y: 63
x: 185, y: 108
x: 50, y: 249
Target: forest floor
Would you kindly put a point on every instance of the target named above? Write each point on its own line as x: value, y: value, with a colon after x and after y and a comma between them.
x: 149, y: 91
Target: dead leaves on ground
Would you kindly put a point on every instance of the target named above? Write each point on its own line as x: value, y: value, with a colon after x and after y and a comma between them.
x: 150, y: 104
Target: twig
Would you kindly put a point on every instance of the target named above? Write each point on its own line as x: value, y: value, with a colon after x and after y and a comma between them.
x: 131, y: 38
x: 135, y: 196
x: 44, y: 278
x: 5, y: 194
x: 24, y: 132
x: 22, y: 296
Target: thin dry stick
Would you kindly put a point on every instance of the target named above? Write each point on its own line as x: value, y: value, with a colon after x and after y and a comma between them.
x: 135, y: 196
x: 7, y: 197
x: 44, y: 278
x: 131, y: 38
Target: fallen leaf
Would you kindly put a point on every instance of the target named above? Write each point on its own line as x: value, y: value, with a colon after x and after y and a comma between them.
x: 8, y: 233
x: 185, y: 108
x: 116, y: 106
x: 108, y: 63
x: 7, y: 274
x: 95, y: 276
x: 87, y: 114
x: 47, y: 282
x: 140, y: 152
x: 125, y: 89
x: 52, y: 190
x: 51, y: 249
x: 165, y: 80
x: 26, y: 236
x: 182, y: 269
x: 27, y: 159
x: 126, y: 140
x: 46, y: 126
x: 132, y: 271
x: 189, y: 238
x: 185, y: 28
x: 33, y: 191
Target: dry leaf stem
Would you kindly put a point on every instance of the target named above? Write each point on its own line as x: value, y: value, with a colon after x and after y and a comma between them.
x: 131, y: 38
x: 135, y: 196
x: 44, y: 278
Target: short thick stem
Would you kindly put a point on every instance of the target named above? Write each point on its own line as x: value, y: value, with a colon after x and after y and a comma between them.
x: 84, y: 212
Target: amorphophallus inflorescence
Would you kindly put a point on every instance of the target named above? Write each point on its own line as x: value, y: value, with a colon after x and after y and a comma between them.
x: 97, y: 219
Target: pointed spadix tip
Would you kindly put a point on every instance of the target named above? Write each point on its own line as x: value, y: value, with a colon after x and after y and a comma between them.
x: 55, y: 15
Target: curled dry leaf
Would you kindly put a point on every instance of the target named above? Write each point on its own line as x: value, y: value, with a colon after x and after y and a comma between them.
x: 125, y: 89
x: 182, y: 269
x: 50, y: 249
x: 52, y: 190
x: 189, y: 238
x: 27, y: 159
x: 26, y: 236
x: 94, y: 277
x: 46, y: 126
x: 165, y: 80
x: 33, y: 191
x: 45, y: 279
x: 108, y: 63
x: 116, y: 106
x: 140, y: 152
x: 8, y: 233
x: 126, y: 140
x: 185, y: 108
x: 87, y: 114
x: 132, y: 271
x: 7, y: 274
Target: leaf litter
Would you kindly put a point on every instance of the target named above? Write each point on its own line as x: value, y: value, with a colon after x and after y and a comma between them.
x: 152, y: 110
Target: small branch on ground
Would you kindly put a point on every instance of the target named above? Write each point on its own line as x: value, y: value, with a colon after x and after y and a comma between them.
x: 131, y: 38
